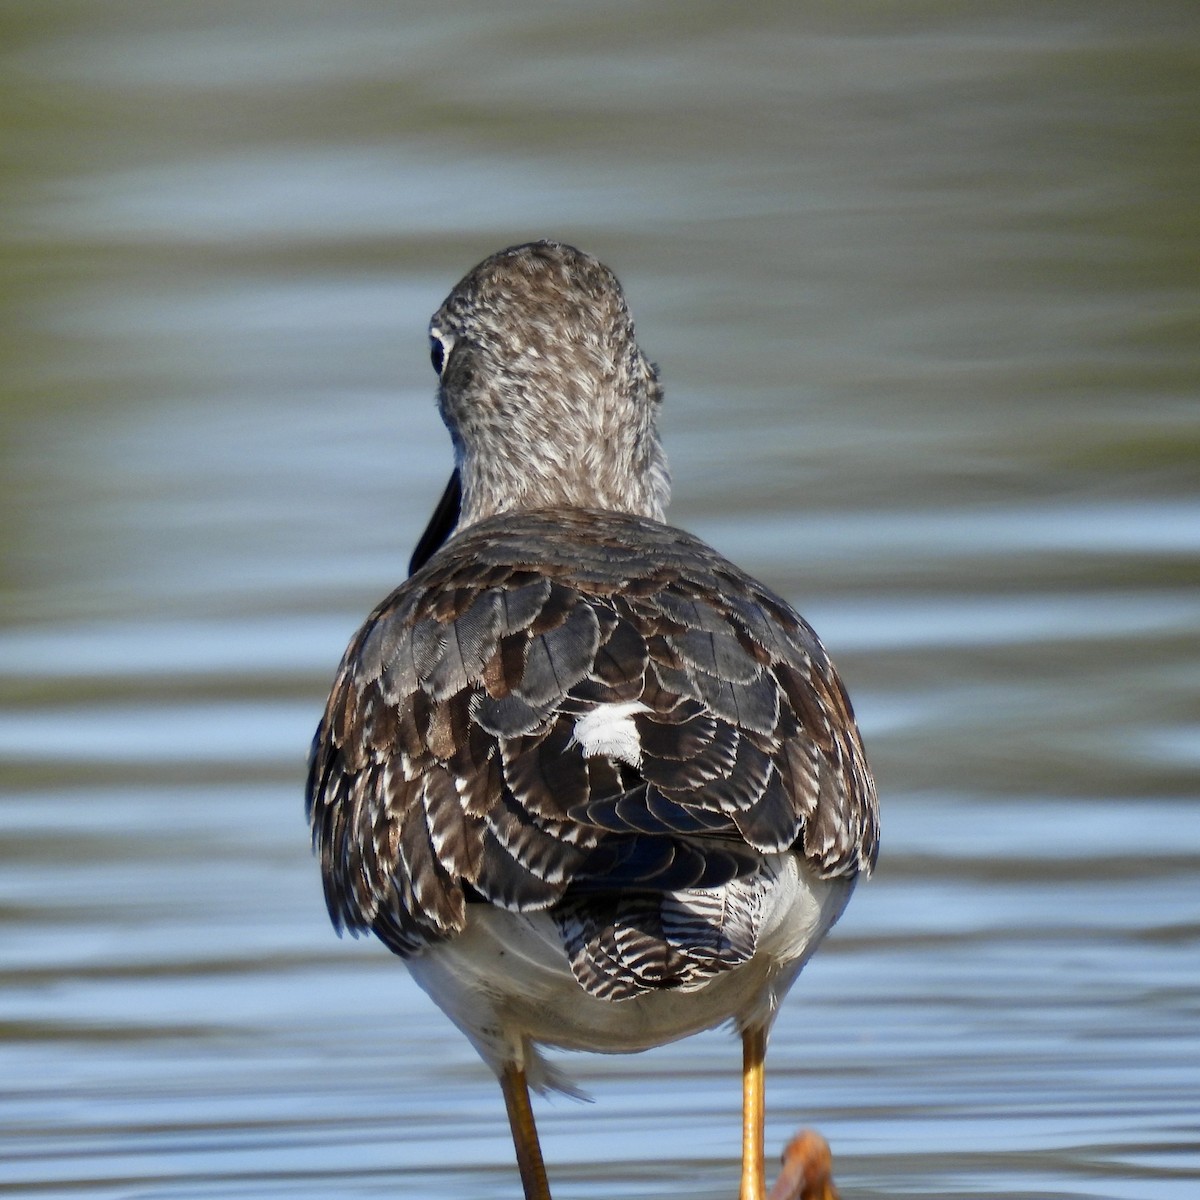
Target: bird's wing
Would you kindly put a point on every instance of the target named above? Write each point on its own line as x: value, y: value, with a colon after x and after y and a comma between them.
x: 573, y: 705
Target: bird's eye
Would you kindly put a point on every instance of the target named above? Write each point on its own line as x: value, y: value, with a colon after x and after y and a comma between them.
x: 439, y: 349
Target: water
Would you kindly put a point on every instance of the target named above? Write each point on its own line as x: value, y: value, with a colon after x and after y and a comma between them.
x: 922, y: 283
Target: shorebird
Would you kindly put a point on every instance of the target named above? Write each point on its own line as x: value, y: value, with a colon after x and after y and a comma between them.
x: 597, y: 786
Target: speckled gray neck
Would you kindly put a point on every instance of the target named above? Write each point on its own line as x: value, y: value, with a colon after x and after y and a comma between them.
x: 549, y: 401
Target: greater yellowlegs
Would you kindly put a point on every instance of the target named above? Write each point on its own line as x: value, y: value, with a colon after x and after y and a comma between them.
x: 597, y: 786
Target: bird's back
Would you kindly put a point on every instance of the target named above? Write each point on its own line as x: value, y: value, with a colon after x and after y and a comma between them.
x: 596, y: 717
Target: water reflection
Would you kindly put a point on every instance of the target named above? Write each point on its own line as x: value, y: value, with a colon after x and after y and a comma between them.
x: 919, y: 283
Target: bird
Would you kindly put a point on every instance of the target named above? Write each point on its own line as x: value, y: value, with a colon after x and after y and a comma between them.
x: 597, y: 786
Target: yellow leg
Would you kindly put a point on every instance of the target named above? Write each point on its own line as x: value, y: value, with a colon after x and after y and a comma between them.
x: 524, y: 1132
x: 754, y: 1053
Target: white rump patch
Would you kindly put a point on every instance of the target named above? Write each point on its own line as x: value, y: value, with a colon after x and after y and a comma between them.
x: 608, y: 731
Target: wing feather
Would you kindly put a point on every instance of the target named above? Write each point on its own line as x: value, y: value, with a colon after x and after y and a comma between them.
x: 446, y: 772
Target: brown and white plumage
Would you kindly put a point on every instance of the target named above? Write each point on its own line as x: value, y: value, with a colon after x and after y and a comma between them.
x: 598, y: 786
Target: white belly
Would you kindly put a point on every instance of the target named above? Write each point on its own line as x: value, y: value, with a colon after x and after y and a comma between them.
x: 506, y: 983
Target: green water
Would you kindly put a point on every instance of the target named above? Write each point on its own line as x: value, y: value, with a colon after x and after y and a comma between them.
x: 922, y: 283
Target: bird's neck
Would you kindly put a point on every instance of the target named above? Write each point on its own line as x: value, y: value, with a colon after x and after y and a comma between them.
x: 626, y: 474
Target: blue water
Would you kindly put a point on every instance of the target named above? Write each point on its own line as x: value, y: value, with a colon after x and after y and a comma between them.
x: 921, y: 286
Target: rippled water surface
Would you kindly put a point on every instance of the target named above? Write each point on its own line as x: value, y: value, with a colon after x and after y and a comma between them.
x: 922, y: 282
